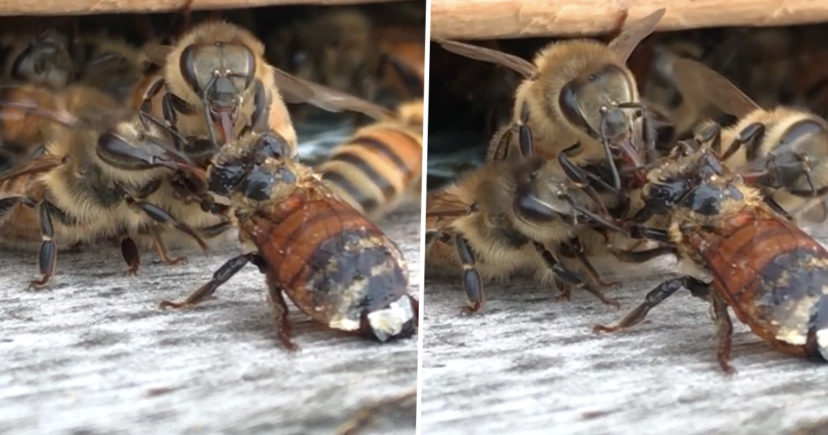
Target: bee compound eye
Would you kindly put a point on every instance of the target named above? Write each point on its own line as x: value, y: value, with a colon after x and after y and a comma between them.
x: 259, y: 183
x: 225, y: 178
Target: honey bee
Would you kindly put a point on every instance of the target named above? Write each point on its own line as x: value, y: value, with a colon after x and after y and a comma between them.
x: 764, y: 267
x: 43, y: 58
x: 578, y: 99
x: 31, y: 114
x: 344, y: 56
x: 214, y: 85
x: 782, y: 150
x: 89, y: 182
x: 559, y: 103
x: 381, y: 163
x: 55, y: 59
x: 216, y: 80
x: 509, y: 216
x: 335, y: 265
x: 108, y: 64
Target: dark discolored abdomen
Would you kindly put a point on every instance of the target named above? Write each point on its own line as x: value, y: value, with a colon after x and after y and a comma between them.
x: 775, y: 277
x: 331, y: 261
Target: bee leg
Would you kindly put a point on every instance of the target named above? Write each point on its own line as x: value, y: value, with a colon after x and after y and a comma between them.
x: 583, y: 178
x: 525, y: 133
x: 162, y: 217
x: 767, y: 197
x: 642, y: 232
x: 576, y: 249
x: 215, y: 230
x: 131, y: 255
x: 47, y: 258
x: 225, y: 272
x: 724, y: 332
x: 642, y: 256
x: 751, y: 136
x: 471, y: 278
x: 570, y: 276
x: 122, y: 154
x: 654, y: 297
x: 281, y: 324
x: 161, y: 249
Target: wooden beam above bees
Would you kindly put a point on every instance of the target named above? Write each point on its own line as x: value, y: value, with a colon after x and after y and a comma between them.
x: 492, y: 19
x: 84, y: 7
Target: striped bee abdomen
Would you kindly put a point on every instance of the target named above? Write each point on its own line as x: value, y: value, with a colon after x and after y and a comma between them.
x: 375, y: 168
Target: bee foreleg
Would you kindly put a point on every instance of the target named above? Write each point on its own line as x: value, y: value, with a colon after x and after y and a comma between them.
x: 569, y: 276
x: 724, y: 332
x: 47, y: 258
x: 583, y: 178
x: 642, y: 256
x: 751, y: 136
x: 161, y: 249
x: 162, y: 217
x: 471, y: 278
x: 131, y: 255
x: 225, y: 272
x: 281, y: 324
x: 576, y: 248
x: 656, y: 296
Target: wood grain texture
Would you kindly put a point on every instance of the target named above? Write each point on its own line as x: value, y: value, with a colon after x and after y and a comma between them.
x: 84, y: 7
x: 489, y: 19
x: 95, y: 354
x: 531, y: 363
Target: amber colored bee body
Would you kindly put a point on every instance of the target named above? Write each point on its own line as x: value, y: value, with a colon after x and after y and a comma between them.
x: 333, y: 263
x: 379, y: 164
x: 771, y: 273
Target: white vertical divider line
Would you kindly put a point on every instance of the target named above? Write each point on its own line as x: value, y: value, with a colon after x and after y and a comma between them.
x: 424, y: 178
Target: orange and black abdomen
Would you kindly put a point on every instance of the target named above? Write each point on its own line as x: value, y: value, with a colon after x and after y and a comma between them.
x: 775, y: 277
x: 375, y: 168
x: 333, y: 263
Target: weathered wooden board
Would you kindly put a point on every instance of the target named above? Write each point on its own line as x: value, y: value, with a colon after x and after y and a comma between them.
x: 84, y: 7
x: 490, y: 19
x: 95, y: 354
x: 531, y: 363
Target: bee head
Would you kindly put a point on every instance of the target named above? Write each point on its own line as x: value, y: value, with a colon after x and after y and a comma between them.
x: 251, y: 166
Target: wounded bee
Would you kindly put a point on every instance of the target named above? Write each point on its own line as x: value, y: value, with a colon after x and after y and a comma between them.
x: 89, y: 182
x: 783, y: 151
x: 335, y: 265
x: 772, y: 274
x: 509, y: 216
x: 380, y: 163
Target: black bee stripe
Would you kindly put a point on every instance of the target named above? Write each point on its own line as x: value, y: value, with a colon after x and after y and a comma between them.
x: 371, y: 143
x: 368, y: 204
x: 378, y: 179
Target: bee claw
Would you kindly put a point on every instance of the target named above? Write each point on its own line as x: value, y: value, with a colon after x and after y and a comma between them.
x: 175, y: 305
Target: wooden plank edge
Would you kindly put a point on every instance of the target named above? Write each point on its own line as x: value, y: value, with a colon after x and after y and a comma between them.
x: 89, y: 7
x: 494, y: 19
